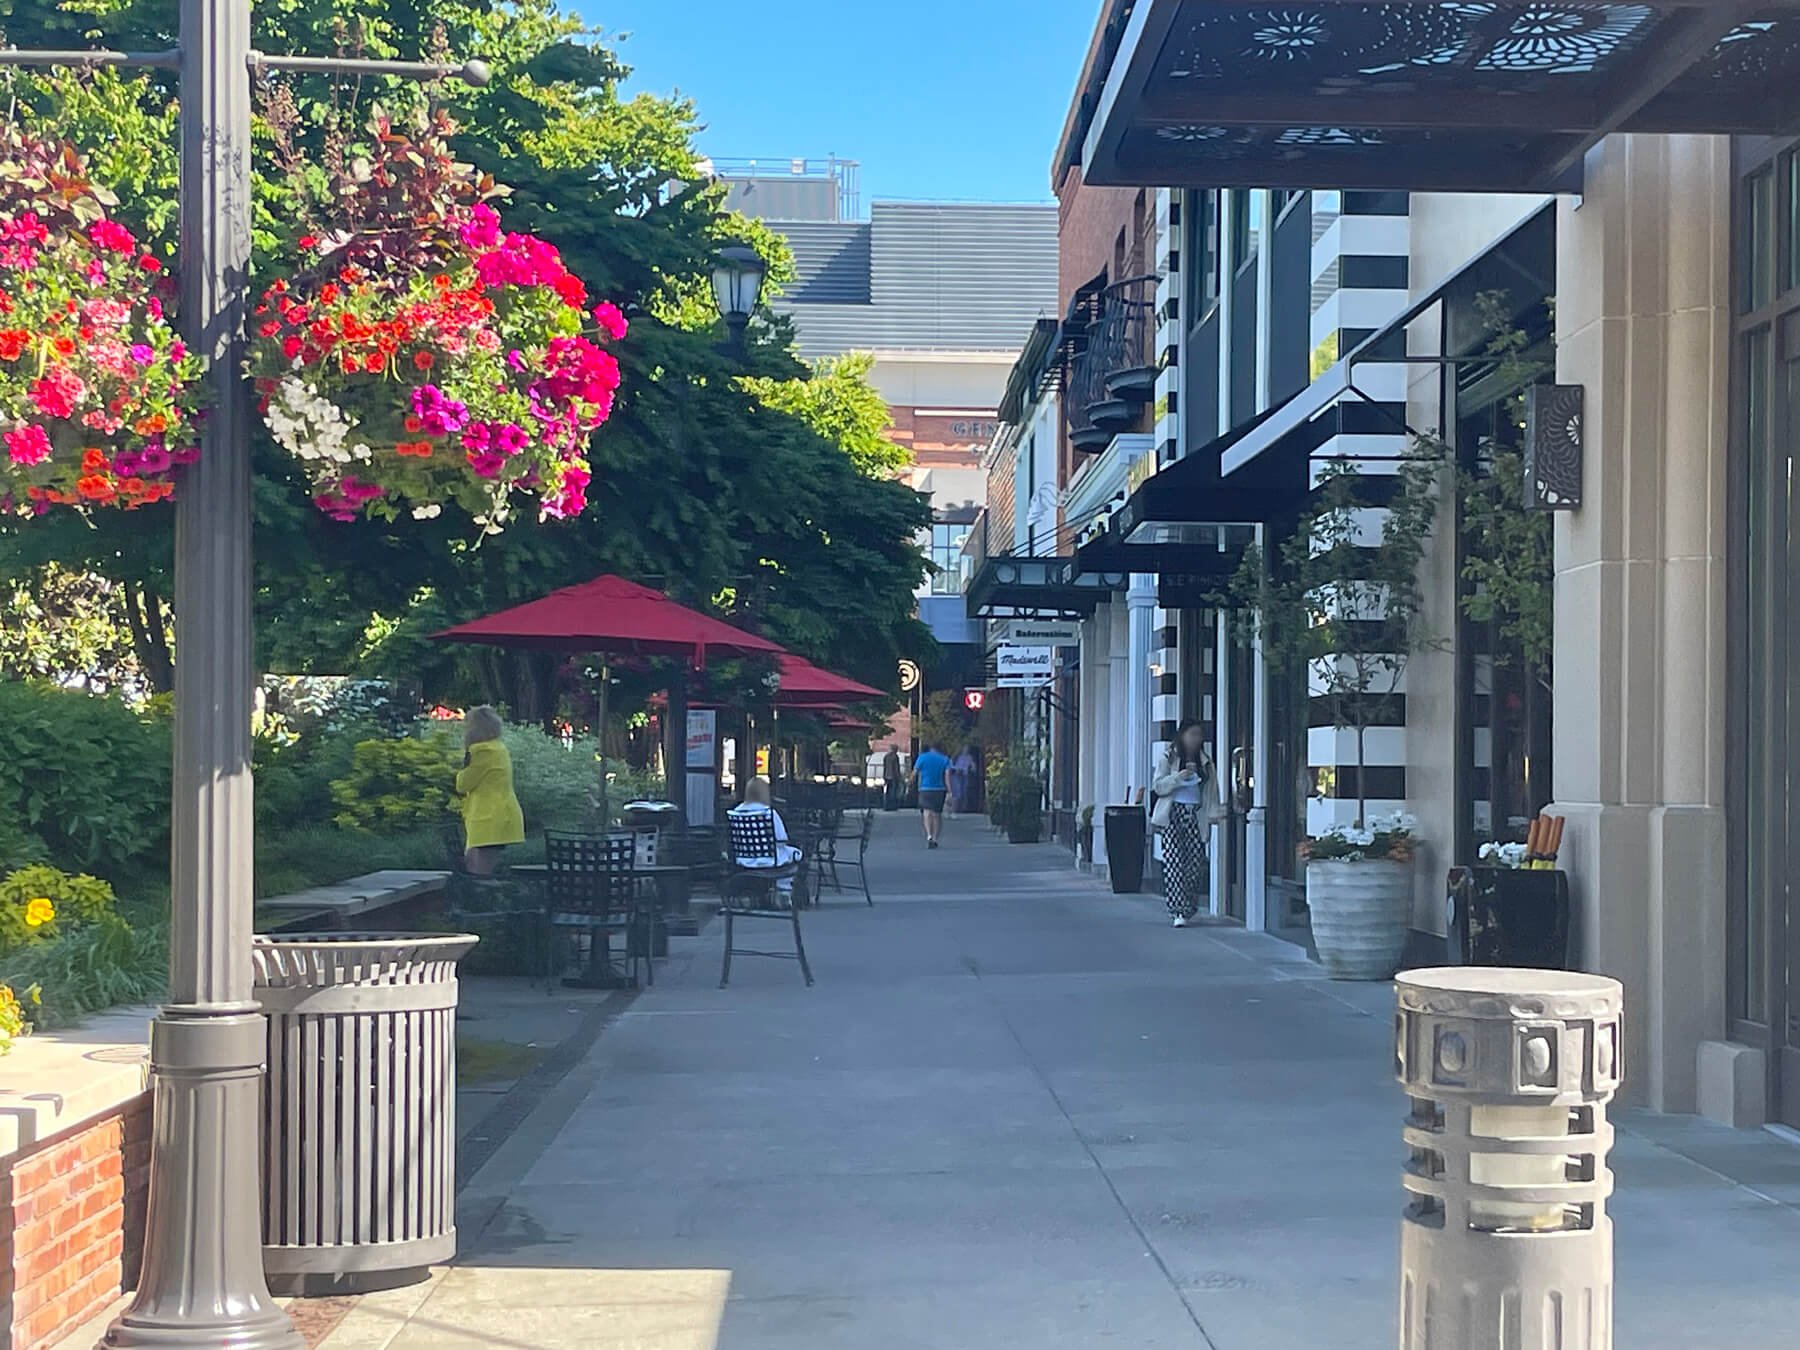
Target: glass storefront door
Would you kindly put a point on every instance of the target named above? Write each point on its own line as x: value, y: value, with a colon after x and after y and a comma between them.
x: 1764, y: 809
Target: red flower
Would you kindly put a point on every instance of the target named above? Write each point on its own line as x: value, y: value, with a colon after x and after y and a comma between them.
x: 309, y: 241
x: 56, y: 392
x: 348, y: 363
x: 13, y: 342
x: 149, y: 264
x: 291, y: 346
x: 570, y: 290
x: 422, y: 360
x: 328, y: 294
x: 269, y: 329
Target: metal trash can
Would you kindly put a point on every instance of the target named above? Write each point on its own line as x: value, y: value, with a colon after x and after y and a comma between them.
x: 359, y: 1106
x: 1506, y: 1243
x: 1126, y: 834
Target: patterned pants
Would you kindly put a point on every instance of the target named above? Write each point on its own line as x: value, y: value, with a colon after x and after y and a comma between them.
x: 1184, y: 860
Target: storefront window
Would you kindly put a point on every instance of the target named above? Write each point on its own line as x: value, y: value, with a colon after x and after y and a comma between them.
x: 947, y: 542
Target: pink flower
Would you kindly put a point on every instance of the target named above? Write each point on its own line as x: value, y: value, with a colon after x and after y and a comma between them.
x: 513, y: 438
x: 611, y: 320
x: 103, y: 312
x: 187, y: 454
x: 27, y: 445
x: 482, y: 229
x: 55, y: 393
x: 142, y: 353
x: 155, y: 459
x: 112, y: 236
x: 485, y: 463
x: 155, y: 309
x: 25, y: 228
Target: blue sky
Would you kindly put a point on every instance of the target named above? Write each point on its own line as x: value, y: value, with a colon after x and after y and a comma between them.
x: 954, y: 99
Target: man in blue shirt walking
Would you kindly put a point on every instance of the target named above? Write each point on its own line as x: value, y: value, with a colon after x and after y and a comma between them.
x: 929, y: 769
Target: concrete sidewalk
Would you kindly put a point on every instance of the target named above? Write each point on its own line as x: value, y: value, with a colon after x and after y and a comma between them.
x: 1019, y: 1111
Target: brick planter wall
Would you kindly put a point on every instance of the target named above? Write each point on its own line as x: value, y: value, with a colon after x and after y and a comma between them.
x: 72, y: 1224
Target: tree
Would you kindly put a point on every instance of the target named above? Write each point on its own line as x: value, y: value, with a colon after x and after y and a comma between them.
x: 1341, y: 599
x: 742, y: 482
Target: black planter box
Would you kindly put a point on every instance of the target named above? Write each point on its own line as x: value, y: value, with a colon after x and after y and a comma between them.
x: 1506, y: 916
x: 1125, y: 836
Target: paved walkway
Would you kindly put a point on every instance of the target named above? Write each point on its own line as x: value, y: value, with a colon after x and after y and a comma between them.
x: 1019, y: 1111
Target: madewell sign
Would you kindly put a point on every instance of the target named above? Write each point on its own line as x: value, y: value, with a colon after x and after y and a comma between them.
x: 1024, y: 667
x: 1043, y: 633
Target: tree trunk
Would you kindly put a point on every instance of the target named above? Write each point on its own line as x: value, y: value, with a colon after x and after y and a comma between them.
x: 1362, y: 793
x: 145, y: 618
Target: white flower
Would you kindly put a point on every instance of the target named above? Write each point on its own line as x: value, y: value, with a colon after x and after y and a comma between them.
x: 430, y: 512
x: 1361, y: 838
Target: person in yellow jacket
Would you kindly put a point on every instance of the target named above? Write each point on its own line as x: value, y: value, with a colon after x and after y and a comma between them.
x: 491, y: 815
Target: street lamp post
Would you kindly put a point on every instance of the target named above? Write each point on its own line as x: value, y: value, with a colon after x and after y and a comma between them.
x: 737, y: 283
x: 202, y: 1281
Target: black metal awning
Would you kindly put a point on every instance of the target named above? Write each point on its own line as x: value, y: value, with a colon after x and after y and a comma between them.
x: 1004, y: 586
x: 1488, y: 95
x: 1518, y: 271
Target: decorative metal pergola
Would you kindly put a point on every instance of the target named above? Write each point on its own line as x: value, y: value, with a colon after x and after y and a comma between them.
x: 1482, y: 95
x: 202, y: 1282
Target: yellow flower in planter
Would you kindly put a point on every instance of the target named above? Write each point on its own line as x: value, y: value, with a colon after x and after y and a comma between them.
x: 39, y: 912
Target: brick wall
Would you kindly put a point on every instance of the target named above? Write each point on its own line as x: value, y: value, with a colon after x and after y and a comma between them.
x: 72, y: 1225
x: 1092, y: 224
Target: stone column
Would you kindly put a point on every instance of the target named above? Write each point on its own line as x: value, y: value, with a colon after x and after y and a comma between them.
x: 1141, y: 610
x: 1643, y: 323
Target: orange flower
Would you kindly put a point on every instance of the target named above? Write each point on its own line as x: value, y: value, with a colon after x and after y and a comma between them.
x: 92, y: 461
x: 65, y: 346
x: 95, y: 488
x: 414, y: 425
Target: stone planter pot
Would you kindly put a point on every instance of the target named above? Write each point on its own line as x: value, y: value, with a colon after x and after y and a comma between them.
x: 1360, y: 916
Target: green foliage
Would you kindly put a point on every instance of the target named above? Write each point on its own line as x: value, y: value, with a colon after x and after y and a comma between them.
x: 66, y: 626
x: 41, y: 903
x: 767, y: 514
x: 1015, y: 794
x: 319, y: 854
x: 836, y: 400
x: 1510, y: 549
x: 104, y: 965
x: 944, y: 723
x: 553, y: 781
x: 1343, y: 608
x: 85, y: 775
x: 395, y: 785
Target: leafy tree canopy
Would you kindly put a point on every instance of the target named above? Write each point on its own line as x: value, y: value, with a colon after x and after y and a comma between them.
x: 740, y: 480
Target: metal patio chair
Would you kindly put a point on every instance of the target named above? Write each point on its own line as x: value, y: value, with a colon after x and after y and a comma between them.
x: 753, y: 889
x: 590, y: 884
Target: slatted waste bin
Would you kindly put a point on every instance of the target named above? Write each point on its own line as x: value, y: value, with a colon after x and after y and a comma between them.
x: 359, y: 1108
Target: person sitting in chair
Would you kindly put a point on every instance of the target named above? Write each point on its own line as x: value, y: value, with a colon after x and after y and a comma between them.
x: 757, y: 799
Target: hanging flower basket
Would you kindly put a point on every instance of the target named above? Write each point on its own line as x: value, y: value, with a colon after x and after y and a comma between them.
x: 425, y: 355
x: 98, y: 396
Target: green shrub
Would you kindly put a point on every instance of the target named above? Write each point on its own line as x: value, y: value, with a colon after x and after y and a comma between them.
x: 1015, y: 796
x: 39, y: 904
x: 85, y: 776
x: 396, y: 784
x: 104, y: 965
x: 300, y: 858
x: 552, y: 780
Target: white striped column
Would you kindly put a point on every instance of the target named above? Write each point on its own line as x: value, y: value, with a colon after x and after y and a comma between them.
x: 1361, y: 283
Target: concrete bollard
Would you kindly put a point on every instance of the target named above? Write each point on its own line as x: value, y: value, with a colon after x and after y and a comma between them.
x: 1506, y: 1244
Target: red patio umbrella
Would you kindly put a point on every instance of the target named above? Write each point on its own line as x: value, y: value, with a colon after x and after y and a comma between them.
x: 804, y: 685
x: 611, y: 614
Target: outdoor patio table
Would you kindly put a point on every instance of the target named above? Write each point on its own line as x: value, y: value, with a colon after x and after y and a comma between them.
x: 600, y: 973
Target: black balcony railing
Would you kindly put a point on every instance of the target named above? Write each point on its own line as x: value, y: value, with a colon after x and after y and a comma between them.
x: 1115, y: 376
